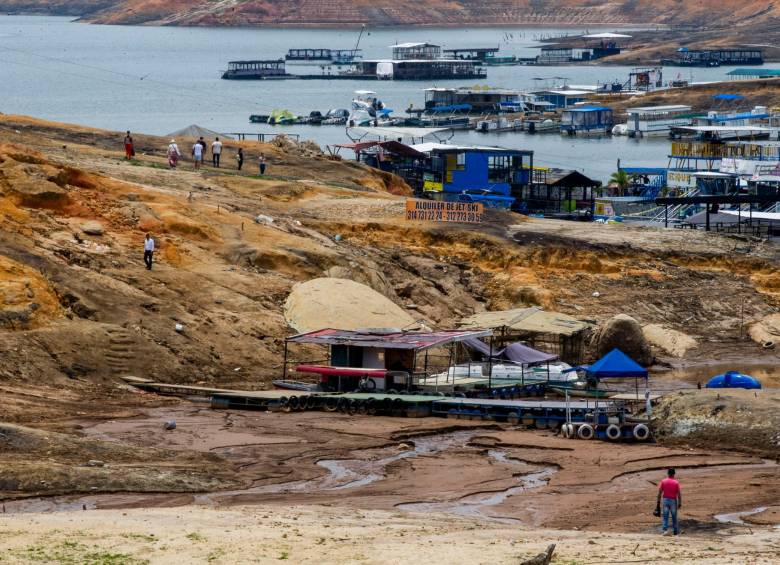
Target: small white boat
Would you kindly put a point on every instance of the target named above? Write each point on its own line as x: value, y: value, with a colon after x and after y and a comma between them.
x: 368, y: 110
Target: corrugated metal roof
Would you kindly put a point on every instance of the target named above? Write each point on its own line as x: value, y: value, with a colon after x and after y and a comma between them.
x: 387, y: 339
x: 533, y: 320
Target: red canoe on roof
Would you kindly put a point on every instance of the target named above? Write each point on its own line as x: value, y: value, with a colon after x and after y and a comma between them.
x: 341, y: 371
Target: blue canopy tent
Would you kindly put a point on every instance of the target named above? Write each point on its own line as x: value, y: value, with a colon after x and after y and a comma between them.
x: 617, y: 365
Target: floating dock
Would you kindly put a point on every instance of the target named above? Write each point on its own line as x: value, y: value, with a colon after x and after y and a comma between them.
x: 581, y: 418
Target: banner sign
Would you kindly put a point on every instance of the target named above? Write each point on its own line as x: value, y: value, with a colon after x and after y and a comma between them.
x: 438, y: 211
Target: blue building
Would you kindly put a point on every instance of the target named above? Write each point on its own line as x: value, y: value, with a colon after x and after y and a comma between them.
x: 563, y: 98
x: 491, y: 175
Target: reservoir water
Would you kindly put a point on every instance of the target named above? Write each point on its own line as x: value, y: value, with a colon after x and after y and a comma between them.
x: 160, y: 79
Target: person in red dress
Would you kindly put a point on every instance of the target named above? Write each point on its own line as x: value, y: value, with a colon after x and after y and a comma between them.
x: 129, y: 149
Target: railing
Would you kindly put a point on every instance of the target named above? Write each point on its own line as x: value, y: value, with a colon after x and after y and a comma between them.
x: 703, y: 149
x: 241, y: 136
x: 755, y: 228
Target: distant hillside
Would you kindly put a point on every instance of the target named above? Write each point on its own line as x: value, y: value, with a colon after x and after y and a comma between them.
x: 701, y: 13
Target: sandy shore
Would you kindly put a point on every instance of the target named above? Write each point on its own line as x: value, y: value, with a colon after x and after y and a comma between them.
x: 320, y: 534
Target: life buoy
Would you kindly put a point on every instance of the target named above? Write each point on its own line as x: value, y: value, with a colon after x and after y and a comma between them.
x: 371, y: 407
x: 613, y: 432
x: 513, y: 418
x: 565, y: 431
x: 284, y: 403
x: 641, y: 432
x: 294, y: 403
x: 586, y: 431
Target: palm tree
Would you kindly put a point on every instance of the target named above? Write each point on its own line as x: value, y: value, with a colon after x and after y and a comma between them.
x: 620, y: 179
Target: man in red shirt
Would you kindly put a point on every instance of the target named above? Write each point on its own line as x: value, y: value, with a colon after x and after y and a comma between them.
x: 669, y: 490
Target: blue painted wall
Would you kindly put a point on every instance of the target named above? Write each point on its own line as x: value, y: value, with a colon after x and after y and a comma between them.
x: 474, y: 176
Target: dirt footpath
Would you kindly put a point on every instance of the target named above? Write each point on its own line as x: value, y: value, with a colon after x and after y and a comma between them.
x: 320, y: 534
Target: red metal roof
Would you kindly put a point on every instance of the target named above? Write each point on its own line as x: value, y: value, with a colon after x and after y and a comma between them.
x: 388, y: 339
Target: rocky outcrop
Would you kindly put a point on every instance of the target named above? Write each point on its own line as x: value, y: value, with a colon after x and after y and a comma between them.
x: 623, y: 332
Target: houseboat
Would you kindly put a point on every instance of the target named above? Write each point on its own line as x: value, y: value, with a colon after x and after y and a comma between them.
x: 256, y: 70
x: 474, y: 100
x: 563, y: 97
x: 323, y: 56
x: 587, y: 120
x: 715, y: 57
x: 418, y: 61
x: 649, y: 121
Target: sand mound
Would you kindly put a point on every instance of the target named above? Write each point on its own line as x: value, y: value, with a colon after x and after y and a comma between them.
x: 671, y: 341
x: 343, y: 304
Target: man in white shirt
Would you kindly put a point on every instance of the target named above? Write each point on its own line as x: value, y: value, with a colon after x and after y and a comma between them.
x: 148, y: 251
x: 216, y: 151
x: 197, y: 155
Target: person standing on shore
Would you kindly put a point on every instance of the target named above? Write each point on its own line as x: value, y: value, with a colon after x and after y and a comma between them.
x: 197, y: 154
x: 129, y: 148
x: 203, y: 144
x: 670, y: 492
x: 216, y: 152
x: 148, y: 251
x: 173, y: 154
x: 240, y: 158
x: 261, y: 162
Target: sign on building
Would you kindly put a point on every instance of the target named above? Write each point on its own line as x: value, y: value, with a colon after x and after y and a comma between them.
x: 437, y: 211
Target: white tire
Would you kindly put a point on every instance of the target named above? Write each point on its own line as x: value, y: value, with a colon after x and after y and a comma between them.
x: 641, y: 432
x: 613, y: 432
x: 586, y: 431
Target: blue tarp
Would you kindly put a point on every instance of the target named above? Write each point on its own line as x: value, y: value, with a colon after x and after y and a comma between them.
x: 451, y: 108
x: 617, y: 365
x: 728, y: 97
x: 644, y: 170
x: 733, y: 379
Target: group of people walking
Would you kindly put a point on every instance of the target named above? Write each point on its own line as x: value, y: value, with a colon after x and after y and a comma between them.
x: 200, y: 149
x: 198, y: 153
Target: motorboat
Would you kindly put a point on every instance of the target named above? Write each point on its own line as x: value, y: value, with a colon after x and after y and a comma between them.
x: 368, y: 110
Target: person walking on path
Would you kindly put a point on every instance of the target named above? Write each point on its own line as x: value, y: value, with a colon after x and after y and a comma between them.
x: 669, y: 491
x: 197, y: 154
x: 216, y: 152
x: 261, y: 162
x: 203, y: 144
x: 129, y: 148
x: 173, y: 154
x: 148, y: 251
x: 240, y: 158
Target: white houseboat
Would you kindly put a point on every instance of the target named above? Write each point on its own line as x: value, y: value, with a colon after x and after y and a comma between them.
x: 648, y: 121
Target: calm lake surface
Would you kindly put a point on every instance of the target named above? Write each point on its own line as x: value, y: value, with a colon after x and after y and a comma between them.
x: 160, y: 79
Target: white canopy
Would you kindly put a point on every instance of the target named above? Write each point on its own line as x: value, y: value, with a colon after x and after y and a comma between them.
x: 606, y: 35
